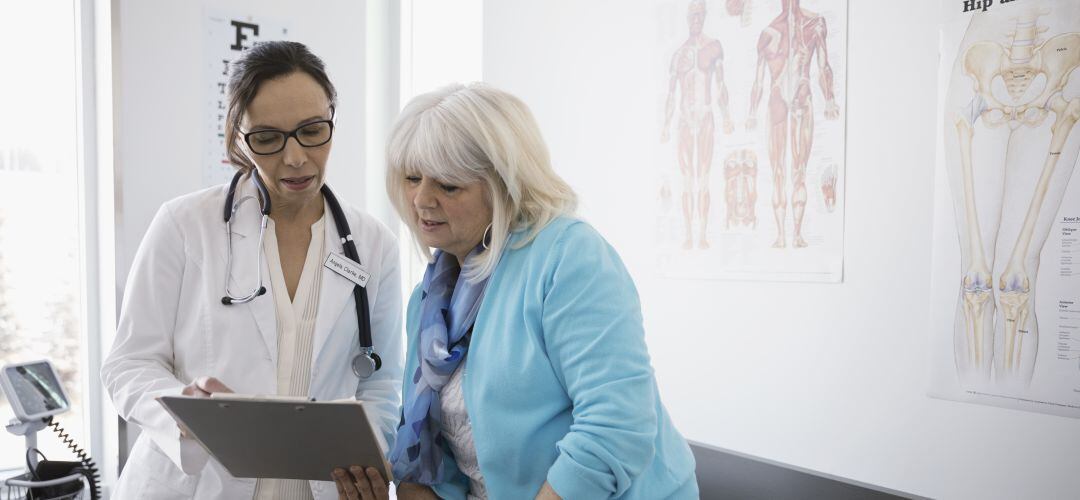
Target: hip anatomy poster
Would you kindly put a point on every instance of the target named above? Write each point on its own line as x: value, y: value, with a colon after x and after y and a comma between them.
x: 1005, y: 292
x: 751, y: 105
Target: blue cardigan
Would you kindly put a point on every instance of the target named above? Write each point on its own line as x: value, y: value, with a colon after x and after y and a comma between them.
x: 557, y: 381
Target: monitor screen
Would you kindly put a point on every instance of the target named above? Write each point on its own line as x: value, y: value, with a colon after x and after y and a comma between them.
x: 36, y: 389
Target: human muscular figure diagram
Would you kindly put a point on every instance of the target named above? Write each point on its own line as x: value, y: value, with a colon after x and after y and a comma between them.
x: 786, y: 49
x: 741, y: 9
x: 828, y: 187
x: 696, y: 66
x: 740, y: 188
x: 1011, y: 143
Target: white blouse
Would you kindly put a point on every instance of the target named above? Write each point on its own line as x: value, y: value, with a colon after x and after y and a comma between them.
x: 457, y: 429
x: 296, y: 327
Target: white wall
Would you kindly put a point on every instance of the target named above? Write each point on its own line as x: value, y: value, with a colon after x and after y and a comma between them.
x: 441, y: 43
x: 827, y: 377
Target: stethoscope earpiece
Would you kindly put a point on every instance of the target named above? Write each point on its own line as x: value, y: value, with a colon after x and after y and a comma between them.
x: 230, y: 301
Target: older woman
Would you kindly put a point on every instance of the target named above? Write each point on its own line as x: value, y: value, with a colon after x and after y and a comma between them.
x: 526, y: 368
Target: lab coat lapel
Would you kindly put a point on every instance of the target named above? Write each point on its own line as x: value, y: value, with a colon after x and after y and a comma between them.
x: 263, y: 310
x: 246, y: 249
x: 334, y: 294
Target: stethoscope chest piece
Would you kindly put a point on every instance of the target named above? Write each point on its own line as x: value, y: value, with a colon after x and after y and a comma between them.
x: 364, y: 365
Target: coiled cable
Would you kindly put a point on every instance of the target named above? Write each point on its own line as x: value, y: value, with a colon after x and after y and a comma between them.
x: 89, y: 469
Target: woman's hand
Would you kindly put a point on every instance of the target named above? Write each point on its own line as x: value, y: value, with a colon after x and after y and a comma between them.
x: 359, y: 483
x: 202, y: 387
x: 414, y: 491
x: 547, y: 493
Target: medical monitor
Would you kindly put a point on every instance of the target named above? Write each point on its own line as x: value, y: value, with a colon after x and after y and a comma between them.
x: 34, y: 390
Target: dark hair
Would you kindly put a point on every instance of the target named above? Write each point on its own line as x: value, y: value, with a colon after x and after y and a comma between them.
x: 266, y: 61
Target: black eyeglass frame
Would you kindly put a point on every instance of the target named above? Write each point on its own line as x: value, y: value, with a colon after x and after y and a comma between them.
x: 247, y: 136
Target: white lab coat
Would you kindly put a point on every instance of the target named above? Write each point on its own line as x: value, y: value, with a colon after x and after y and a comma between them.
x: 174, y: 328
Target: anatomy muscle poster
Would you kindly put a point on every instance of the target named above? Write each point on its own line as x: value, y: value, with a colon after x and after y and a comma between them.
x: 1005, y: 292
x: 751, y: 105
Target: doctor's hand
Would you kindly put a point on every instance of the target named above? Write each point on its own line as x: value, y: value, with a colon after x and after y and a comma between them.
x: 359, y: 483
x: 202, y: 387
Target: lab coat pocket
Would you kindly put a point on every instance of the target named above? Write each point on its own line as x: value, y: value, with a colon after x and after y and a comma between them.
x: 157, y: 476
x: 236, y: 351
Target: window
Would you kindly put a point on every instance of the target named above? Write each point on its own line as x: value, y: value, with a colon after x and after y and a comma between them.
x: 41, y: 281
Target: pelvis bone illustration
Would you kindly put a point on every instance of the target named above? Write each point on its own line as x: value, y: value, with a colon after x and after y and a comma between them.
x: 1019, y: 65
x: 1019, y: 83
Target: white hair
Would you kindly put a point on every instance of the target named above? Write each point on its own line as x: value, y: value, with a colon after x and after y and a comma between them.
x: 461, y: 134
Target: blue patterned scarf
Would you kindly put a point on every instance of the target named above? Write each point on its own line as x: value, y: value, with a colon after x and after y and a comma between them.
x: 448, y: 308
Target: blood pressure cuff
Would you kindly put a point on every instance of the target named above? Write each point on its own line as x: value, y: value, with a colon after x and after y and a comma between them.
x: 54, y: 469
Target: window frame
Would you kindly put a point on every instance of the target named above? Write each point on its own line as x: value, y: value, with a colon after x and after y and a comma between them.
x: 94, y: 152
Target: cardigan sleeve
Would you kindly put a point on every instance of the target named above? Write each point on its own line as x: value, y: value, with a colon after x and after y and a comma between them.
x: 592, y: 328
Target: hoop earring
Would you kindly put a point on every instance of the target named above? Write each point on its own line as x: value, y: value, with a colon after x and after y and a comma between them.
x: 487, y: 237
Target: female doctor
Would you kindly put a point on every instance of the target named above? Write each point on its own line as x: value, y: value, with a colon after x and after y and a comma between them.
x: 194, y: 321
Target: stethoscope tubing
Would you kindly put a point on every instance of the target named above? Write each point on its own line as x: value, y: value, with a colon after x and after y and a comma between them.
x: 363, y: 315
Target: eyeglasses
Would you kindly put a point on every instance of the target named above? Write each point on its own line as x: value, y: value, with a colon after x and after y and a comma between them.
x: 309, y: 135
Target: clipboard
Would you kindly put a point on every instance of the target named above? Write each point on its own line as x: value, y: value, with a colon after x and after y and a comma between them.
x: 283, y: 439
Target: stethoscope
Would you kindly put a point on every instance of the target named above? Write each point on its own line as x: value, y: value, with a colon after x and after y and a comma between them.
x: 363, y: 364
